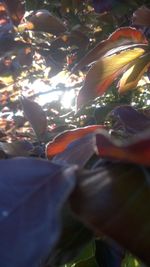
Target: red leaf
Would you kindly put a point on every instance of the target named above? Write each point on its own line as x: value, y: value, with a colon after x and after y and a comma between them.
x: 137, y: 150
x: 61, y: 141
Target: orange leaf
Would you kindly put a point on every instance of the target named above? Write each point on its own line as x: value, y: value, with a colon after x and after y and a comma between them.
x: 104, y: 72
x: 61, y: 141
x: 136, y: 151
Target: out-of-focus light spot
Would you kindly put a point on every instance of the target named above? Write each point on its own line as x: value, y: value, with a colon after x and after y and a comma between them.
x: 67, y: 99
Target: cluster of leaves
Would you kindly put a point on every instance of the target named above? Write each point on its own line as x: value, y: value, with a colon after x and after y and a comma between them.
x: 74, y: 185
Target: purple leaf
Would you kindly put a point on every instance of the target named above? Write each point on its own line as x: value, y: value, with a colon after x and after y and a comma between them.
x: 129, y: 119
x: 78, y: 152
x: 114, y: 200
x: 36, y: 116
x: 32, y: 194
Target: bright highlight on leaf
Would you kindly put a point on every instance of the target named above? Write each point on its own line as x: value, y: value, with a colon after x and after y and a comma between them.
x: 122, y: 36
x: 104, y: 72
x: 61, y: 141
x: 131, y: 77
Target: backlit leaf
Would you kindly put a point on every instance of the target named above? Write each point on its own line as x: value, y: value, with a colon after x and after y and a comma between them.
x: 136, y: 150
x: 104, y: 72
x: 113, y: 200
x: 32, y: 192
x: 131, y: 77
x: 121, y: 36
x: 36, y: 116
x: 61, y: 141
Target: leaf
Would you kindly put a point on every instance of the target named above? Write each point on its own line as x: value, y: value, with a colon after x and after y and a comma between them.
x: 122, y: 36
x: 108, y: 253
x: 74, y: 239
x: 42, y: 20
x: 33, y: 192
x: 61, y: 141
x: 91, y: 262
x: 6, y: 25
x: 36, y: 116
x: 129, y: 120
x: 17, y: 148
x: 131, y: 77
x: 141, y: 16
x: 78, y: 152
x: 112, y: 200
x: 135, y: 150
x: 16, y: 10
x: 104, y: 72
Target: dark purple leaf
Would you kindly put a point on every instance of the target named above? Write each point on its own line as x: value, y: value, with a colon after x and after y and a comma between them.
x: 78, y: 152
x: 17, y: 148
x: 114, y: 200
x: 129, y: 120
x: 43, y: 20
x: 141, y: 16
x: 36, y: 116
x: 5, y: 22
x: 32, y: 193
x: 101, y: 6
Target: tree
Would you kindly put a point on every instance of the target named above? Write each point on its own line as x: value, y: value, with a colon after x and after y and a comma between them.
x: 74, y: 173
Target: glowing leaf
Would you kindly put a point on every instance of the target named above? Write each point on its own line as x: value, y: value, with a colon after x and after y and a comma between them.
x: 104, y: 72
x: 122, y: 36
x: 61, y: 141
x: 131, y: 77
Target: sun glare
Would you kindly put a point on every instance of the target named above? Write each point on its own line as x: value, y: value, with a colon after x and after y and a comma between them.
x: 60, y: 88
